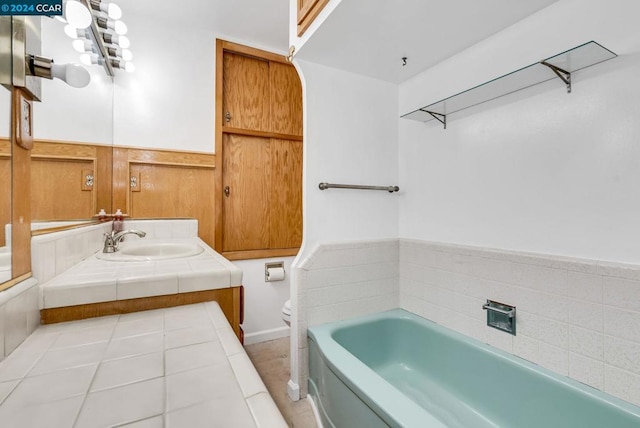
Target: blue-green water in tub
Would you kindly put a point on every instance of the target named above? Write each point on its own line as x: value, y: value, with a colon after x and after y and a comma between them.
x: 409, y: 372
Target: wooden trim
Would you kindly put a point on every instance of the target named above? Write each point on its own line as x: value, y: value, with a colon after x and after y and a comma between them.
x: 255, y: 133
x: 249, y: 51
x: 5, y: 148
x: 63, y: 150
x: 39, y: 232
x: 260, y: 254
x: 311, y: 16
x: 218, y: 144
x: 14, y: 281
x: 21, y: 197
x: 177, y: 158
x: 227, y: 298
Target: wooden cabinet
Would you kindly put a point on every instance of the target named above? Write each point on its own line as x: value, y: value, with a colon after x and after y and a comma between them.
x: 259, y: 138
x: 308, y: 11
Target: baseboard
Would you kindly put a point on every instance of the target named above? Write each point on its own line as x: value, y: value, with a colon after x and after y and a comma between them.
x: 265, y: 335
x: 293, y: 390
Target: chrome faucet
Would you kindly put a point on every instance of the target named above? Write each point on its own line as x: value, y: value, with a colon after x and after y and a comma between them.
x: 112, y: 239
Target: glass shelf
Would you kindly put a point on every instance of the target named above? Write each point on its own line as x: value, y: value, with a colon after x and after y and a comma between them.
x: 558, y: 66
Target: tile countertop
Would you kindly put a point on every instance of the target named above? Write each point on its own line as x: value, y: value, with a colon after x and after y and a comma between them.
x: 177, y: 367
x: 94, y: 280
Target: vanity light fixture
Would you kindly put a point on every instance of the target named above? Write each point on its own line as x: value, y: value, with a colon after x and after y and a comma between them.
x: 111, y: 9
x: 77, y: 14
x: 118, y: 27
x: 73, y: 74
x: 102, y: 40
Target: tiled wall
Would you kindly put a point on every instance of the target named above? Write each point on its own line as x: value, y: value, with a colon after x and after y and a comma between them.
x: 340, y: 281
x: 53, y: 253
x: 579, y: 318
x: 19, y: 315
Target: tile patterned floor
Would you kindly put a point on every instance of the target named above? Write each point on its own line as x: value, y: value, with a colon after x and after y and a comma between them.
x: 271, y: 359
x: 175, y: 368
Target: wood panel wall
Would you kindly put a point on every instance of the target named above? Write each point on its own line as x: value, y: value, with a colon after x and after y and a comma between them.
x: 171, y: 184
x: 5, y: 183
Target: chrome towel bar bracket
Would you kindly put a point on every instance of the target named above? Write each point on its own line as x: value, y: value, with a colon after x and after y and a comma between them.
x: 325, y: 186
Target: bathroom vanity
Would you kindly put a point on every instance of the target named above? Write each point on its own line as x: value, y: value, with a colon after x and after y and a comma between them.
x: 162, y: 270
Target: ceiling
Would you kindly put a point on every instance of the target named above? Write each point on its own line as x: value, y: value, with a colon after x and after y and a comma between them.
x: 264, y: 23
x: 367, y: 37
x: 370, y: 37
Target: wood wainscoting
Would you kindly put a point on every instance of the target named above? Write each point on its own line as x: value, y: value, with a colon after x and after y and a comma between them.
x: 230, y: 301
x: 5, y: 183
x: 168, y: 183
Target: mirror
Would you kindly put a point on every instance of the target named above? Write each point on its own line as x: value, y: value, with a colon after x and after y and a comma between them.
x: 73, y: 133
x: 5, y: 185
x: 5, y: 151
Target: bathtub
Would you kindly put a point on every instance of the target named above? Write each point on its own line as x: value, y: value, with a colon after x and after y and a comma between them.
x: 397, y: 369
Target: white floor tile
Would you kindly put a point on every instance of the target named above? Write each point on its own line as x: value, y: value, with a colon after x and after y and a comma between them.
x: 247, y: 376
x: 17, y: 366
x: 176, y: 320
x: 138, y: 327
x: 136, y: 345
x: 264, y: 411
x: 123, y: 405
x: 194, y: 356
x: 83, y: 337
x: 51, y: 387
x: 128, y: 370
x: 212, y: 414
x: 52, y: 414
x: 66, y: 358
x: 185, y: 389
x: 189, y: 336
x: 155, y: 422
x: 6, y: 388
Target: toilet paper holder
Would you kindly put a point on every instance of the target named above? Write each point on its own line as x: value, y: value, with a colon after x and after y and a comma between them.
x: 273, y: 265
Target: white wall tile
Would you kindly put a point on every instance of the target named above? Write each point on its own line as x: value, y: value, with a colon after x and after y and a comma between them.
x: 622, y: 354
x: 622, y: 323
x: 586, y: 370
x: 586, y: 342
x: 584, y: 286
x: 622, y: 383
x: 15, y: 322
x: 622, y: 293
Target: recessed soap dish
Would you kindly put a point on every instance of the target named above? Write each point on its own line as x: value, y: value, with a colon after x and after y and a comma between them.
x: 501, y: 316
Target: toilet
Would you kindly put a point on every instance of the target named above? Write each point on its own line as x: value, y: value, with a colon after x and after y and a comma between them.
x: 286, y: 312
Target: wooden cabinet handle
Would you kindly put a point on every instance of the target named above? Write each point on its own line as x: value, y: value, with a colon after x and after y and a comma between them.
x: 227, y: 191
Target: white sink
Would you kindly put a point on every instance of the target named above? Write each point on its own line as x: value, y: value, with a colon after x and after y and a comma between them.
x: 152, y: 251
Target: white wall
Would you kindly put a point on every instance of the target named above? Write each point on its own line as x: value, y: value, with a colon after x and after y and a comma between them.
x: 263, y: 300
x: 350, y: 136
x: 539, y: 171
x: 67, y: 113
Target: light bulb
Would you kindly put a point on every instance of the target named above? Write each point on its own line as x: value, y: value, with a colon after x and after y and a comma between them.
x: 77, y: 14
x: 82, y: 45
x: 74, y: 74
x: 123, y: 42
x: 129, y: 67
x: 127, y: 55
x: 73, y: 32
x: 120, y: 28
x: 86, y: 59
x: 114, y: 11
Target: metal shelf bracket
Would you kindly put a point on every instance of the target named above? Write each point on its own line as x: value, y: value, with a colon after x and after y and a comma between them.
x: 442, y: 118
x: 564, y: 75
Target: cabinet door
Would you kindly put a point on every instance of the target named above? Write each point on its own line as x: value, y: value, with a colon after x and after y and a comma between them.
x: 308, y: 11
x: 286, y: 194
x: 245, y: 183
x: 245, y: 92
x: 286, y: 99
